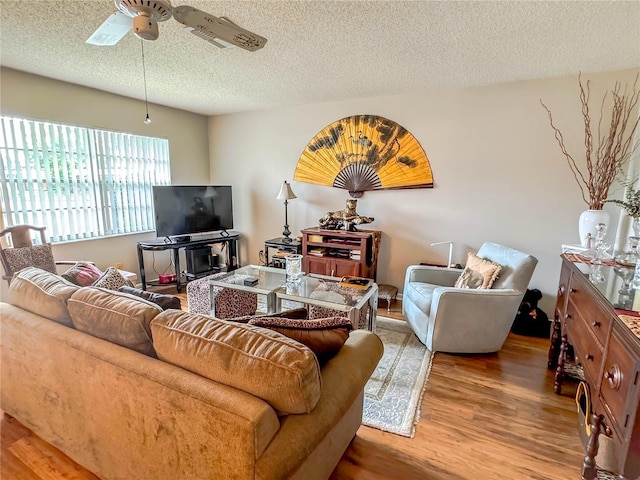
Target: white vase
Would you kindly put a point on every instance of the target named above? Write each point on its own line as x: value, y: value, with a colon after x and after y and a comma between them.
x: 588, y: 221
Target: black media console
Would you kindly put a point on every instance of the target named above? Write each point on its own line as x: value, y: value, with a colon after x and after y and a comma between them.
x: 200, y: 261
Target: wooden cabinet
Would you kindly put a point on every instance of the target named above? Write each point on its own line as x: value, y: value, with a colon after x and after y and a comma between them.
x: 338, y: 253
x: 609, y: 352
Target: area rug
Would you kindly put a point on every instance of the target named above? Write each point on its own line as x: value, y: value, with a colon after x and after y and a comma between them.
x: 393, y: 394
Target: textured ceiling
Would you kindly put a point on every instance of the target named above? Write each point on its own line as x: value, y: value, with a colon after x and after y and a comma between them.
x: 319, y: 51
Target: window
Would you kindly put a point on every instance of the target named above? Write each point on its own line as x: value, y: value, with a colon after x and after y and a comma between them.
x: 79, y: 182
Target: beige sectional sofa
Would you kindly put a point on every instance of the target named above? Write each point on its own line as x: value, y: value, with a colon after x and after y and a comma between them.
x: 260, y: 406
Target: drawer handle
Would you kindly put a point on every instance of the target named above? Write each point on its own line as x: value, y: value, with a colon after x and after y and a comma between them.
x: 614, y: 376
x: 589, y: 357
x: 596, y: 324
x: 573, y: 290
x: 561, y: 290
x: 567, y: 316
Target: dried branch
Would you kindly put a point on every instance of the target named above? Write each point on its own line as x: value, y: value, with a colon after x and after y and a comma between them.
x: 614, y: 149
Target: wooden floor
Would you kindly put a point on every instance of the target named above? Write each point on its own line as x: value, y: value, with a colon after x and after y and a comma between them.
x: 483, y: 418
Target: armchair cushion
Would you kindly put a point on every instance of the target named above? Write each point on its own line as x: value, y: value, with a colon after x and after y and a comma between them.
x: 478, y: 273
x: 419, y: 293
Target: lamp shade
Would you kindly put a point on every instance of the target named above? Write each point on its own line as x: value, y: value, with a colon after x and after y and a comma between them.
x: 285, y: 192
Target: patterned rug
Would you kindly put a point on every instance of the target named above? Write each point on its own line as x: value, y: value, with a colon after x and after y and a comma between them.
x: 393, y: 394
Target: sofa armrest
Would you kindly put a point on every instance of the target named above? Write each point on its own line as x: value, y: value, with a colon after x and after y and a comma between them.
x: 343, y: 381
x: 434, y: 275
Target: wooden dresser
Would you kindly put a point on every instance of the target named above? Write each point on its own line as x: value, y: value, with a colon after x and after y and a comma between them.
x: 605, y: 345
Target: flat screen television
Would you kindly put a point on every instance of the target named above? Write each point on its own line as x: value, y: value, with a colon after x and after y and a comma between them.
x: 184, y: 210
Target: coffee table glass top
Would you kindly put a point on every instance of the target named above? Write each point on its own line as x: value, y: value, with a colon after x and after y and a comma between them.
x: 269, y: 278
x: 321, y: 290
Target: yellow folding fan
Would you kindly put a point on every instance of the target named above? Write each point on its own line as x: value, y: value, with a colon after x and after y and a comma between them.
x: 364, y: 152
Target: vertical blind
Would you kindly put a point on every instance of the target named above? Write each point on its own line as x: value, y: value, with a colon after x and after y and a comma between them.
x: 79, y: 182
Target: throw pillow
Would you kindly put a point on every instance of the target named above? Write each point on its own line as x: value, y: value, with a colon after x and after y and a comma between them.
x: 478, y: 273
x: 83, y: 274
x: 42, y: 293
x: 39, y: 256
x: 270, y: 366
x: 295, y: 313
x: 111, y: 279
x: 164, y: 301
x: 114, y: 316
x: 324, y: 336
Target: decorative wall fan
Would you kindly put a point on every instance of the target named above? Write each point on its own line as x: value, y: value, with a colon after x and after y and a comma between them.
x: 364, y: 152
x: 142, y: 16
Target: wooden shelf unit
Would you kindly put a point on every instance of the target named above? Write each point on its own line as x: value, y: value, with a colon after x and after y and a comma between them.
x: 338, y: 253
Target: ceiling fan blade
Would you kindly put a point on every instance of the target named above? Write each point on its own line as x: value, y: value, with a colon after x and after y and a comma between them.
x: 211, y: 27
x: 112, y: 30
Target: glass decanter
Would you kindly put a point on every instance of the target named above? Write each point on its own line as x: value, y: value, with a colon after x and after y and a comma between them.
x: 625, y: 269
x: 600, y: 249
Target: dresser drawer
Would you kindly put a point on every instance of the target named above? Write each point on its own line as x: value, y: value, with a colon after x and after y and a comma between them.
x: 596, y: 320
x: 589, y: 351
x: 619, y: 377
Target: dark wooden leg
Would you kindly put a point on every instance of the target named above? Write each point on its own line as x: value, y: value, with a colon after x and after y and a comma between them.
x: 589, y: 471
x: 554, y: 346
x: 562, y: 357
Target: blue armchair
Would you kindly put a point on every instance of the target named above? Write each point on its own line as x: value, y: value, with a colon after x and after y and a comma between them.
x: 461, y: 320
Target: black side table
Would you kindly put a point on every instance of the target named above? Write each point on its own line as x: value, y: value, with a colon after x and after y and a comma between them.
x: 294, y: 246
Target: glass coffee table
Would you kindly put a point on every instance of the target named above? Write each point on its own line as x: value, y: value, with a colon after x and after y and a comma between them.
x: 318, y: 290
x: 326, y: 292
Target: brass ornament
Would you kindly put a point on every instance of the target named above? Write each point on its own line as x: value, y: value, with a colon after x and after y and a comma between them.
x: 364, y: 152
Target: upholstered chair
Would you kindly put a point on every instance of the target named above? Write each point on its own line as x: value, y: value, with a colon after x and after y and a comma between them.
x: 24, y: 246
x: 466, y: 320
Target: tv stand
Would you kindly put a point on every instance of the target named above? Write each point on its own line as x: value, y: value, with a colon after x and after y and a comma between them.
x: 230, y: 239
x: 182, y: 239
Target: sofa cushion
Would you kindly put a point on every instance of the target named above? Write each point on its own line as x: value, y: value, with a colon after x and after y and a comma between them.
x: 478, y: 273
x: 114, y: 316
x: 266, y: 364
x: 111, y: 279
x: 82, y: 273
x: 164, y: 301
x: 324, y: 336
x: 42, y: 293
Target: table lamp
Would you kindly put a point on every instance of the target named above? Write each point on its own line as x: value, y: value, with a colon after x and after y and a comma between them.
x: 286, y: 194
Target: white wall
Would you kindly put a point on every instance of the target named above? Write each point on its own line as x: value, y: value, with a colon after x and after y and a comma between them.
x: 499, y: 174
x: 31, y: 96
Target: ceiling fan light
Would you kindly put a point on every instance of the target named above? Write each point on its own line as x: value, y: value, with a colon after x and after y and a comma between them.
x: 145, y: 27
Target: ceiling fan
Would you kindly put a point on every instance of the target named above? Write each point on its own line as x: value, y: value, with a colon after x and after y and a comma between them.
x: 142, y: 16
